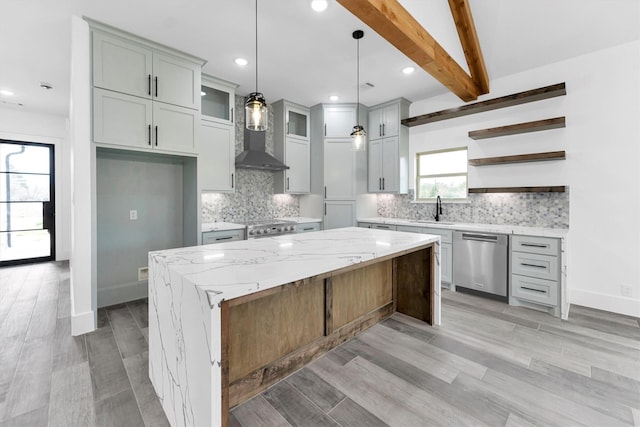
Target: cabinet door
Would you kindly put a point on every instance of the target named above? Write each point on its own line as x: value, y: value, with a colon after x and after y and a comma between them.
x: 339, y: 170
x: 390, y: 164
x: 339, y: 121
x: 375, y: 124
x: 121, y: 119
x: 391, y: 120
x: 176, y: 81
x: 121, y: 65
x: 216, y: 103
x: 338, y: 214
x: 297, y: 158
x: 174, y: 128
x: 297, y: 123
x: 374, y: 172
x: 216, y: 157
x: 446, y: 262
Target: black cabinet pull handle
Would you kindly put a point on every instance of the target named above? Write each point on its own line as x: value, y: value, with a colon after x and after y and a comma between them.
x: 532, y: 265
x: 224, y: 238
x: 383, y: 130
x: 383, y: 183
x: 534, y: 290
x: 379, y: 183
x: 232, y: 115
x: 156, y: 136
x: 156, y: 80
x: 149, y: 129
x: 325, y: 209
x: 287, y: 183
x: 534, y: 245
x: 232, y: 183
x: 325, y: 191
x: 149, y: 84
x: 325, y: 129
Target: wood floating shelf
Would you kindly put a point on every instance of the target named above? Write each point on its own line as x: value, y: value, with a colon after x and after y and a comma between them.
x: 535, y: 126
x: 520, y: 158
x: 553, y: 189
x: 488, y: 105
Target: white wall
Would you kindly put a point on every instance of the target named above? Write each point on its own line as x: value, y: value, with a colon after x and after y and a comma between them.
x: 602, y: 141
x: 24, y: 126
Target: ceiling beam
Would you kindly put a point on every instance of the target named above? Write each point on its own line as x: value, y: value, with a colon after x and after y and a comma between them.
x: 463, y: 18
x: 395, y: 24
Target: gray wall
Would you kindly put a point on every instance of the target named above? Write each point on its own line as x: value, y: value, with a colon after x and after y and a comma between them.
x: 152, y: 185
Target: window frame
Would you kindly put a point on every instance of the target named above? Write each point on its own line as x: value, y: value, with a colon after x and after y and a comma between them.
x: 440, y: 175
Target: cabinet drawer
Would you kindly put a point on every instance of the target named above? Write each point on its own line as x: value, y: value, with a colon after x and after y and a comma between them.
x: 446, y: 236
x: 307, y: 227
x: 409, y: 229
x: 536, y: 245
x: 534, y: 265
x: 534, y: 290
x: 222, y: 236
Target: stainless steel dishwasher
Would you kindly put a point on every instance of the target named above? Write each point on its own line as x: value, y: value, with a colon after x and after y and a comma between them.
x: 480, y: 262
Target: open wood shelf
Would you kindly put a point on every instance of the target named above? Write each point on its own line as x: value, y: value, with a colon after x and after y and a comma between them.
x: 520, y: 158
x: 488, y: 105
x: 553, y: 189
x: 535, y: 126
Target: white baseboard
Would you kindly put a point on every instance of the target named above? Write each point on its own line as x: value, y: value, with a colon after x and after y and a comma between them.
x: 83, y: 323
x: 122, y: 293
x: 616, y: 304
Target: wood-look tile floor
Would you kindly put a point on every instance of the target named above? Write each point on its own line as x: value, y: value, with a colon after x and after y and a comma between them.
x: 488, y: 364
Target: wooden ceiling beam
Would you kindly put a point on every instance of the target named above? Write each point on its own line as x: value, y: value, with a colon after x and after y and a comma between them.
x: 463, y: 18
x: 395, y: 24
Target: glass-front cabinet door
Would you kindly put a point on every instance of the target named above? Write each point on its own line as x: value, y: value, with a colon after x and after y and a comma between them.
x: 217, y: 98
x: 297, y: 123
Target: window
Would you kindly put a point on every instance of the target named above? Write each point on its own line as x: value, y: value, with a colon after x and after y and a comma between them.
x: 441, y: 173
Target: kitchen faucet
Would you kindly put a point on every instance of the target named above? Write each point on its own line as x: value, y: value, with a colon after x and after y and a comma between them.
x: 438, y: 208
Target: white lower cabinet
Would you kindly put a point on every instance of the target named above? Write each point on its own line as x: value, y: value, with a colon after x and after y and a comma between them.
x: 216, y: 157
x: 210, y: 237
x: 446, y: 252
x: 307, y: 227
x: 339, y: 214
x: 535, y: 272
x: 134, y: 122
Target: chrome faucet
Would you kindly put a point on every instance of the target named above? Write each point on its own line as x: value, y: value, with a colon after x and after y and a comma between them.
x: 438, y: 208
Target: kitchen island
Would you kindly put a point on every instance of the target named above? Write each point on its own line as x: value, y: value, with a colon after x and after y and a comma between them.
x: 228, y: 320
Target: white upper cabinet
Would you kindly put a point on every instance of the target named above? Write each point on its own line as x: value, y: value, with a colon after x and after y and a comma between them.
x: 339, y: 121
x: 174, y: 128
x: 216, y: 157
x: 388, y: 151
x: 217, y: 100
x: 291, y: 129
x: 121, y: 119
x: 123, y: 65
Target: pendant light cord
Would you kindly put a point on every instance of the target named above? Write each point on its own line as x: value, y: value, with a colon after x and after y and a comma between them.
x: 358, y: 81
x: 256, y: 45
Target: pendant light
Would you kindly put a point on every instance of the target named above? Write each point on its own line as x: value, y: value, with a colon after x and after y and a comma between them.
x: 358, y: 134
x: 256, y: 115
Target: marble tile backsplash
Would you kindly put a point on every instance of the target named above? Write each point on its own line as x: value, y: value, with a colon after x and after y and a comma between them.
x: 254, y: 197
x: 525, y: 209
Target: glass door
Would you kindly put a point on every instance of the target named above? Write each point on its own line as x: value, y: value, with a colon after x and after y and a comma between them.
x: 27, y: 225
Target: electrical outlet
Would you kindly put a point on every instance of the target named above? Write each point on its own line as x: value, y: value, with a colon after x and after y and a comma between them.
x: 133, y: 215
x: 143, y: 274
x: 627, y: 290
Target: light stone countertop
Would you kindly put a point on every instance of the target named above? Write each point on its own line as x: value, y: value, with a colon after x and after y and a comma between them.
x: 234, y: 269
x: 487, y: 228
x: 221, y: 226
x: 300, y: 219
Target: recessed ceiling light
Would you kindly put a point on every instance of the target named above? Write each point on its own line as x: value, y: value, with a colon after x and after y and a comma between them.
x: 241, y: 62
x: 408, y: 70
x: 6, y: 92
x: 203, y: 93
x: 46, y: 86
x: 318, y: 5
x: 334, y: 97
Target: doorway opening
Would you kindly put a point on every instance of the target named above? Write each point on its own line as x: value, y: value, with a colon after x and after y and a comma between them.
x: 27, y: 202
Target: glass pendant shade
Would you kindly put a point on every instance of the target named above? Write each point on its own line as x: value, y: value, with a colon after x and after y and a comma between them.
x: 359, y: 136
x: 256, y: 112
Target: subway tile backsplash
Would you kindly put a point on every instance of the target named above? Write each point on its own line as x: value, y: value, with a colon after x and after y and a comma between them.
x: 526, y: 209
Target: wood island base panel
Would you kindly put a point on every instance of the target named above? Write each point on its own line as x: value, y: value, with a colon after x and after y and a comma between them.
x: 227, y: 321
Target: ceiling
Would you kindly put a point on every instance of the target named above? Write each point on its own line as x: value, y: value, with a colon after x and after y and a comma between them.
x: 304, y: 56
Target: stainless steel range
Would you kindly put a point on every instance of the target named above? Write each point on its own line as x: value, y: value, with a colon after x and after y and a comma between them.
x: 269, y: 228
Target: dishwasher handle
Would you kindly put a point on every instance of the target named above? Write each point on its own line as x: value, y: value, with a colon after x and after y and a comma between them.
x: 491, y: 238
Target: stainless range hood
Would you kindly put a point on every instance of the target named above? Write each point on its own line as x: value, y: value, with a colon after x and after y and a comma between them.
x: 254, y: 155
